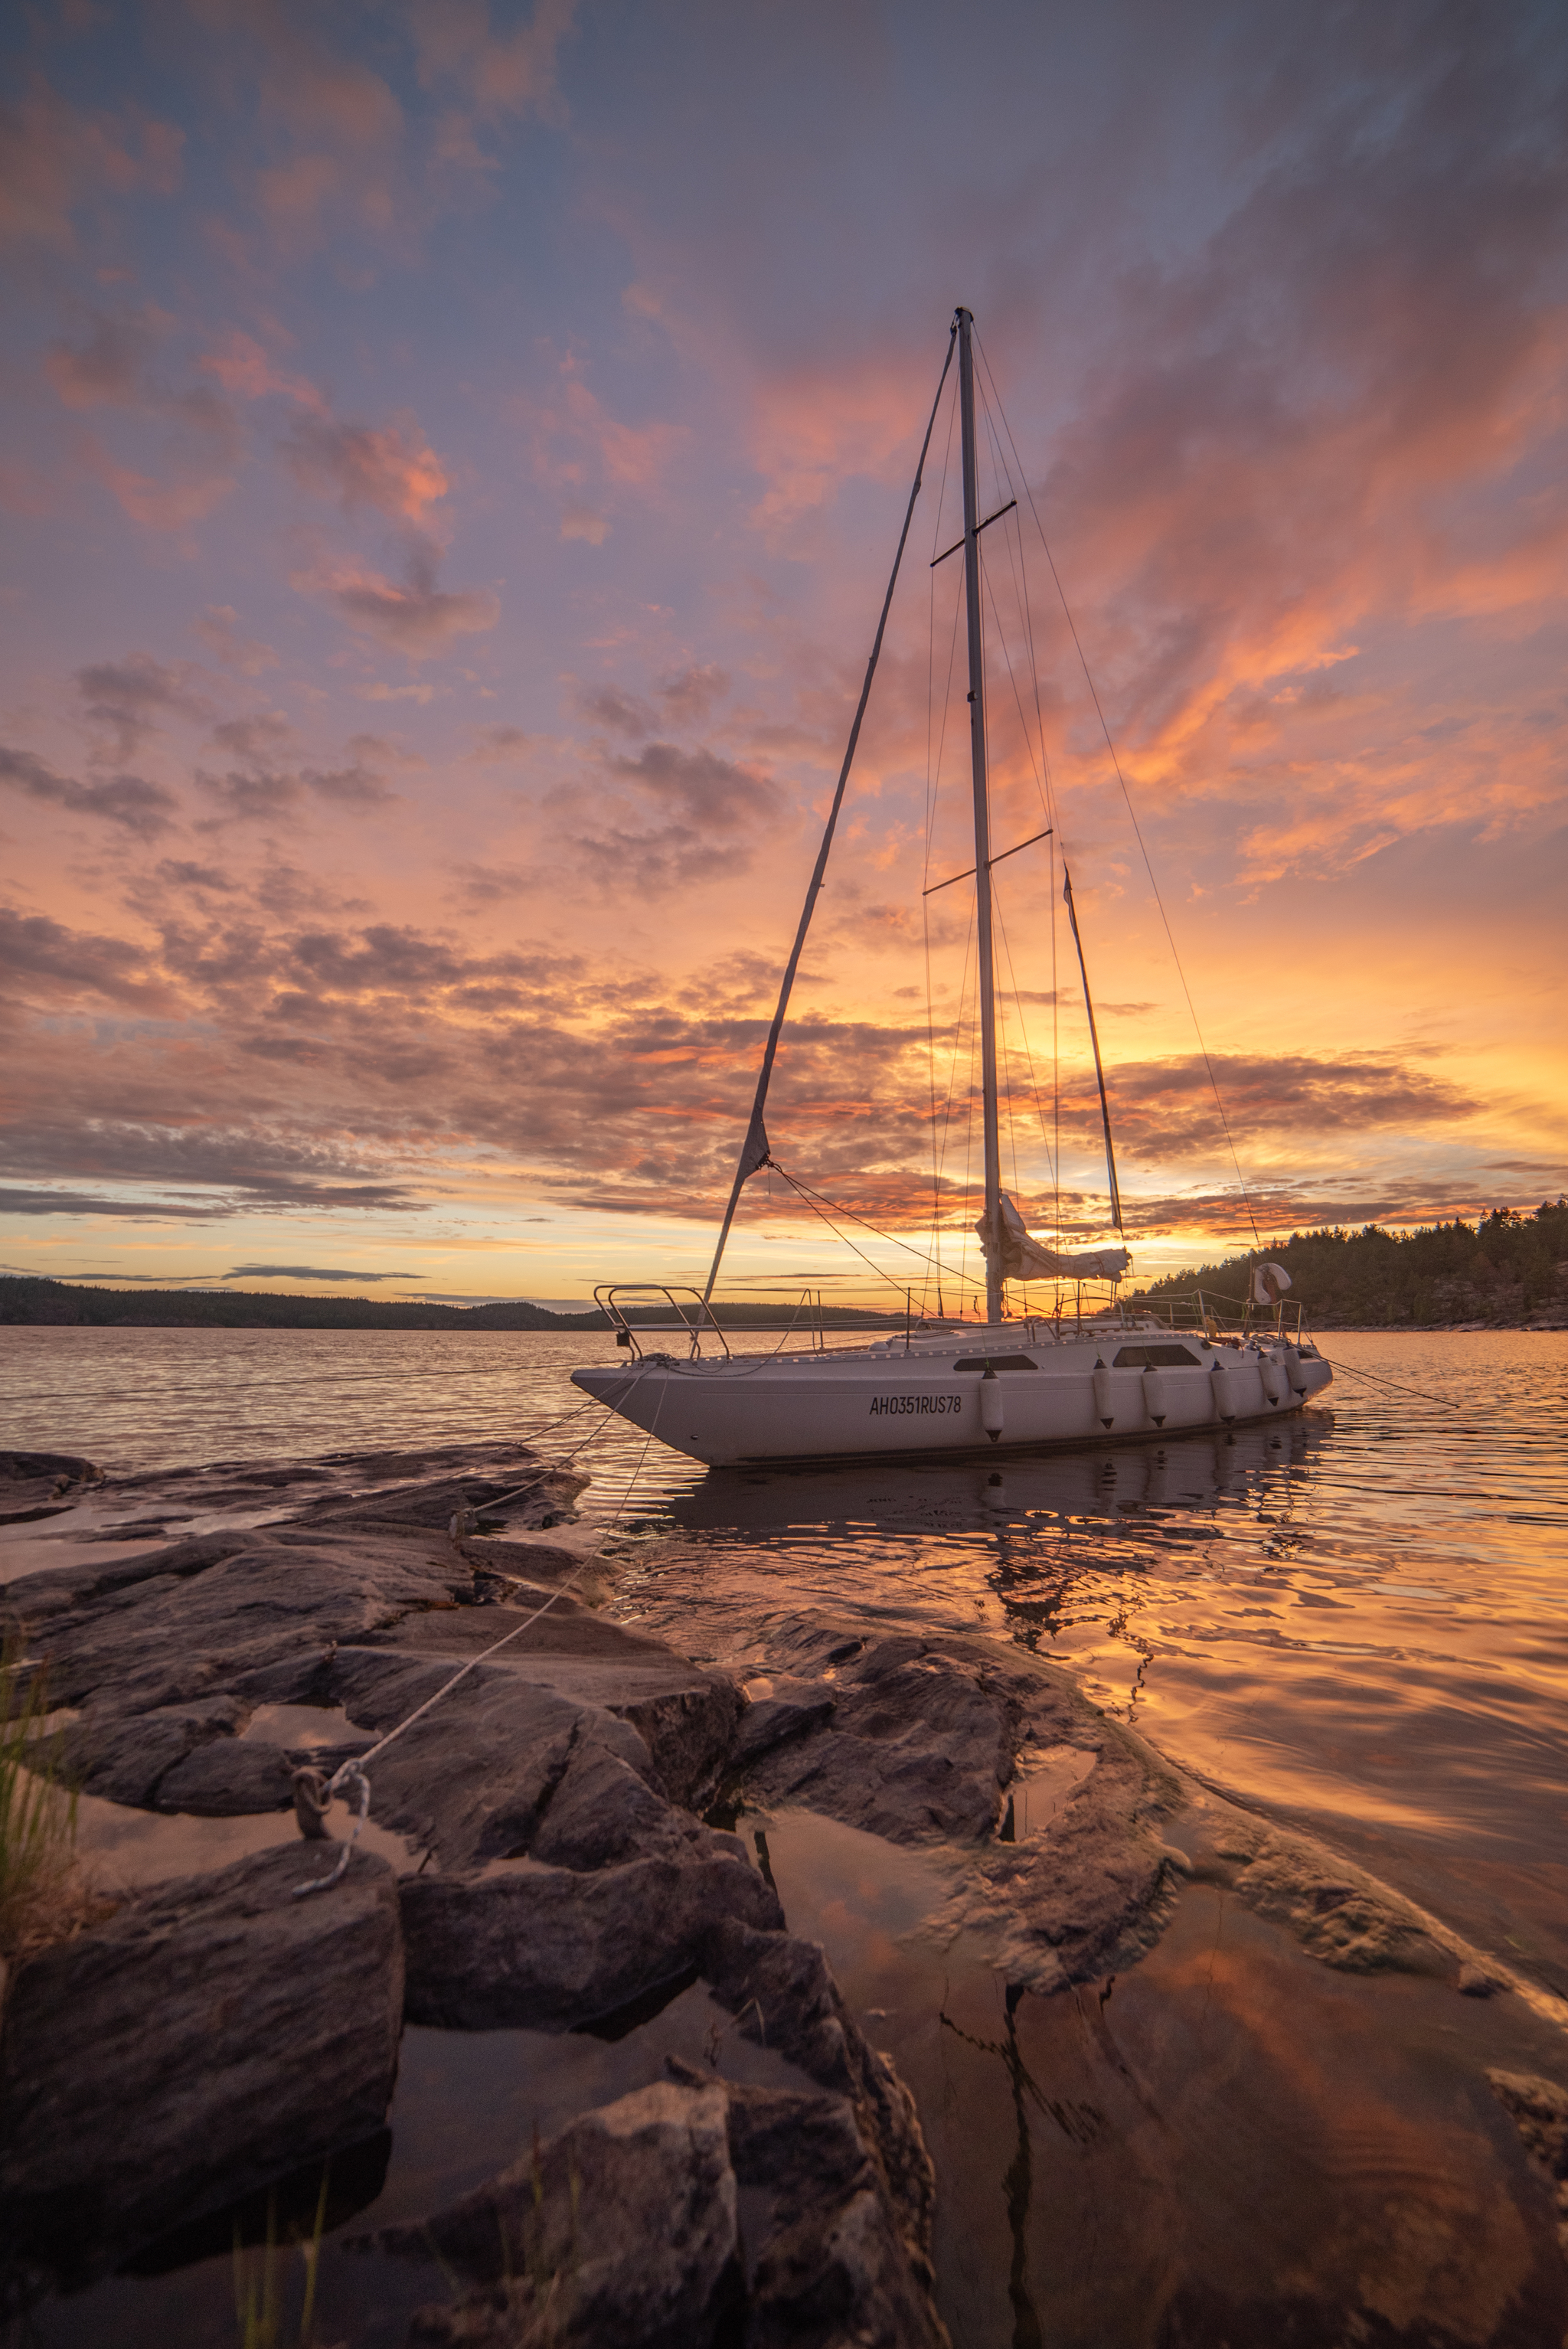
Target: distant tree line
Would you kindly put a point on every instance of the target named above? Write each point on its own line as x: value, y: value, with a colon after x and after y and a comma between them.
x: 1508, y: 1268
x: 64, y: 1304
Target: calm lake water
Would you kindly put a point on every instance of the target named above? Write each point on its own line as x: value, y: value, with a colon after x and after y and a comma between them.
x: 1353, y: 1621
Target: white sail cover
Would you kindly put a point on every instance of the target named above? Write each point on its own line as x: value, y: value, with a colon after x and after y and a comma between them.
x: 1024, y: 1259
x: 1270, y: 1282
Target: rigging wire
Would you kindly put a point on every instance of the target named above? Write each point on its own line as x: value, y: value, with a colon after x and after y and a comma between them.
x: 1127, y: 796
x: 820, y: 1206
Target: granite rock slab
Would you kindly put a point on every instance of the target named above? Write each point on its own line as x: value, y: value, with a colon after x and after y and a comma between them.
x: 211, y: 2034
x: 550, y: 1949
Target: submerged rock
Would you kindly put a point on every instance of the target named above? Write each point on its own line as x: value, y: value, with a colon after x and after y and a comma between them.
x: 1540, y: 2112
x: 623, y: 2229
x: 819, y: 2258
x: 783, y: 1993
x: 213, y: 2034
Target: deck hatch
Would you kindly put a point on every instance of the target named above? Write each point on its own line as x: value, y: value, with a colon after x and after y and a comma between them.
x: 1159, y: 1357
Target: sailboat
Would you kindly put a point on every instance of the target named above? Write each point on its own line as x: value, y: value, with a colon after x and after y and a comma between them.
x: 1009, y: 1383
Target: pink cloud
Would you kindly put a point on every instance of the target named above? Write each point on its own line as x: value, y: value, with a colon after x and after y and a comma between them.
x: 413, y: 616
x: 53, y: 156
x: 246, y: 372
x: 497, y: 73
x: 391, y: 467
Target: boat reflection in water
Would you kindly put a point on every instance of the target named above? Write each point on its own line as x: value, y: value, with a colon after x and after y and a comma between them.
x: 905, y: 1493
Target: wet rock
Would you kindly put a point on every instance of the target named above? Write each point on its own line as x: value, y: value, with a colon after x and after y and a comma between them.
x: 786, y: 1708
x: 213, y: 2034
x: 1540, y: 2112
x: 623, y: 2229
x: 1474, y: 1982
x: 782, y: 1995
x: 922, y: 1738
x: 125, y: 1758
x: 603, y: 1810
x: 230, y: 1777
x: 527, y: 1495
x: 41, y: 1484
x: 470, y: 1781
x: 548, y: 1948
x: 820, y: 2259
x: 1089, y: 1894
x: 1340, y: 1915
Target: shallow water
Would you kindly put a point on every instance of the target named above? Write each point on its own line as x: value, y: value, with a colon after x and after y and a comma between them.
x: 1353, y: 1620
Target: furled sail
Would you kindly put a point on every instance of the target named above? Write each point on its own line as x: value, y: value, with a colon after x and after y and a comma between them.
x: 1024, y: 1257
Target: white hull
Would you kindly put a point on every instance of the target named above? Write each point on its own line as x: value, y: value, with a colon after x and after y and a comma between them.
x: 935, y: 1397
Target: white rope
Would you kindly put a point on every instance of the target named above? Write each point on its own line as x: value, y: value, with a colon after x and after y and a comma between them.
x: 353, y: 1771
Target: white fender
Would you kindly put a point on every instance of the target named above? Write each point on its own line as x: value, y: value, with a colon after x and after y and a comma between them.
x: 1294, y: 1370
x: 1104, y: 1409
x: 991, y: 1405
x: 1276, y: 1386
x: 1156, y: 1396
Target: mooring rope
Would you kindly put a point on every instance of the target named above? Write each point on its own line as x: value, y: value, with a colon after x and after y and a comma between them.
x: 314, y: 1797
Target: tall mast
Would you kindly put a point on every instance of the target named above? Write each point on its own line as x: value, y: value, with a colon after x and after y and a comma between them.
x: 982, y: 819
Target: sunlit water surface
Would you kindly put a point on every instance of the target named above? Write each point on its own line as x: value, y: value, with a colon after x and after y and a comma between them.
x: 1355, y: 1619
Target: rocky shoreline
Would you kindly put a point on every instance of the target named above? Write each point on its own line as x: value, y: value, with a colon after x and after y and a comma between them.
x: 557, y: 1854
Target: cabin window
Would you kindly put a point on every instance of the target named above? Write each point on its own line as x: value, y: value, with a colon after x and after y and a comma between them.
x: 997, y: 1362
x: 1162, y: 1358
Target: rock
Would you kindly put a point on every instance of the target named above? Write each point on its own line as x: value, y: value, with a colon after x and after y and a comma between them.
x: 827, y: 2262
x: 922, y: 1734
x: 126, y: 1758
x: 229, y: 1777
x: 432, y: 1504
x: 685, y: 1715
x: 1088, y: 1895
x: 783, y: 1993
x: 42, y: 1483
x: 788, y: 1708
x: 470, y: 1781
x: 623, y: 2229
x: 547, y: 1948
x: 1540, y: 2112
x: 1340, y: 1915
x: 191, y: 1622
x: 1474, y: 1982
x: 213, y: 2034
x: 602, y: 1811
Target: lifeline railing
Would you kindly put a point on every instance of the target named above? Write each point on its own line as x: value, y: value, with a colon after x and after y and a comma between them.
x: 1212, y: 1315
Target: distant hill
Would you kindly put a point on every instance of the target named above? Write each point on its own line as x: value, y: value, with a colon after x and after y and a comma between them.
x: 64, y: 1304
x: 1508, y: 1270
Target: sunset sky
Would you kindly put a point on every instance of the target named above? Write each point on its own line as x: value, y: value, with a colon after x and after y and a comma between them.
x: 452, y: 460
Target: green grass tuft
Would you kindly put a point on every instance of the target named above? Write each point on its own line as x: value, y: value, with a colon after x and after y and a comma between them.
x: 37, y: 1811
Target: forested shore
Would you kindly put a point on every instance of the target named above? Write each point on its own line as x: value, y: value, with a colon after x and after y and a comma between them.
x: 1508, y: 1271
